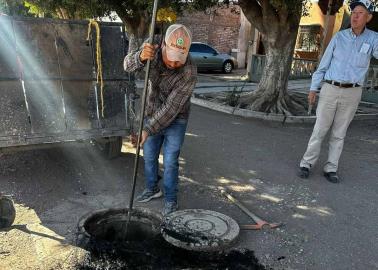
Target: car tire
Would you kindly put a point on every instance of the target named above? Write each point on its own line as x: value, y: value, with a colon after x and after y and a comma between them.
x: 227, y: 67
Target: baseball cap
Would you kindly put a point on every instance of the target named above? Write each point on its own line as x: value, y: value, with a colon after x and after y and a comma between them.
x: 177, y: 41
x: 365, y: 3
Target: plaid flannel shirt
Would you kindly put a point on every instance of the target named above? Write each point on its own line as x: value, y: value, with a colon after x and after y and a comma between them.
x: 169, y: 90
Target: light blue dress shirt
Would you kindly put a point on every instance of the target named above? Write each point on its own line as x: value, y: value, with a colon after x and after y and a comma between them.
x: 347, y: 58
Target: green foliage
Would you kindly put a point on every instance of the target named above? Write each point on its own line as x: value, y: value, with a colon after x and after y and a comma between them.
x: 124, y: 8
x: 33, y: 9
x: 14, y: 8
x: 68, y: 9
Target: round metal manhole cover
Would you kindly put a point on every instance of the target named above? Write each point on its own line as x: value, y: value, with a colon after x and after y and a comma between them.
x: 200, y: 230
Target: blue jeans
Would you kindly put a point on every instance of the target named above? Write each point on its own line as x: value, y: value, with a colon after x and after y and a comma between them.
x: 171, y: 138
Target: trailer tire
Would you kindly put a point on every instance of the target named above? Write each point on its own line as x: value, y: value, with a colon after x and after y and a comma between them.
x: 7, y: 212
x: 111, y: 148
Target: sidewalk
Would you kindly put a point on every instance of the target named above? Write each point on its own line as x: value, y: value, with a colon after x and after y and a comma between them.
x: 220, y: 82
x: 217, y: 82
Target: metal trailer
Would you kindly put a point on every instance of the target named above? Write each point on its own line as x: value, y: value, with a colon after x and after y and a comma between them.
x: 48, y: 84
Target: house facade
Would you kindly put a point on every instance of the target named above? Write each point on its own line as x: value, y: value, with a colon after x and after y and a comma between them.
x: 228, y: 31
x: 316, y: 30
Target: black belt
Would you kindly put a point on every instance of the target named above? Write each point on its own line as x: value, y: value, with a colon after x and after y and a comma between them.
x: 343, y: 85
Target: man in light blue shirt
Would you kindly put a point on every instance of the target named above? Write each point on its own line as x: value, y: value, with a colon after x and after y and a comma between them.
x: 343, y: 69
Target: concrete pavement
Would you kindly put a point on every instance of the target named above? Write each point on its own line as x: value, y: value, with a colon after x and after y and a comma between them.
x: 327, y: 226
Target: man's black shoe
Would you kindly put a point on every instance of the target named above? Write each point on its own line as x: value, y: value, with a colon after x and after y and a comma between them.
x: 332, y: 177
x: 303, y: 172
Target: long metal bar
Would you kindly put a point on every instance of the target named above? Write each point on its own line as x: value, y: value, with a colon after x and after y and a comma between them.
x: 141, y: 119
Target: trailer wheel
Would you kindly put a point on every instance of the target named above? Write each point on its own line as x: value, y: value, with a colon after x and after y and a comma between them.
x: 7, y: 212
x: 111, y: 147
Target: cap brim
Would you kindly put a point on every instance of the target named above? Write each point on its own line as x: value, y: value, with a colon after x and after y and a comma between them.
x: 176, y: 56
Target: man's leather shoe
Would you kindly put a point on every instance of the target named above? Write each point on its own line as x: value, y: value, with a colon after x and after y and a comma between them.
x: 303, y: 172
x: 332, y: 177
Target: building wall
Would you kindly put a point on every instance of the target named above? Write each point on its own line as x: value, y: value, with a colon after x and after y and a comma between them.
x: 218, y: 27
x: 316, y: 17
x: 245, y: 39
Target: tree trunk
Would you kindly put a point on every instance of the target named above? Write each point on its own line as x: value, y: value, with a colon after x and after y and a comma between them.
x: 278, y: 22
x: 137, y: 28
x: 271, y: 95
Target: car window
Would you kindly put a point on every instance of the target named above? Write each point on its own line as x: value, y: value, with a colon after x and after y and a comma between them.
x: 195, y: 48
x: 202, y: 48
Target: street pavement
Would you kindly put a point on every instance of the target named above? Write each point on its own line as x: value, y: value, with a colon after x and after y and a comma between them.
x: 326, y: 226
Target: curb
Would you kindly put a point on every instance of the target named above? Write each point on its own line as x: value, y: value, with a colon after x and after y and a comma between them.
x: 265, y: 116
x: 225, y: 77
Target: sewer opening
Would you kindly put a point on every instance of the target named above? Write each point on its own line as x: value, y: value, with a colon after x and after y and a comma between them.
x: 145, y: 248
x: 109, y: 225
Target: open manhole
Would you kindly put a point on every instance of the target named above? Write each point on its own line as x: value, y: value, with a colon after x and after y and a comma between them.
x: 102, y: 234
x: 200, y: 230
x: 108, y: 225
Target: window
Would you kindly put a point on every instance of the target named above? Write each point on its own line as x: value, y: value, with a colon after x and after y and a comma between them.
x: 309, y: 38
x: 195, y: 48
x: 202, y: 48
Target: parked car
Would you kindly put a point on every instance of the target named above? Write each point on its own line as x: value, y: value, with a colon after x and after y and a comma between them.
x: 207, y: 58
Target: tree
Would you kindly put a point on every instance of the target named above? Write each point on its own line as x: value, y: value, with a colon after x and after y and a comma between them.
x: 135, y: 14
x: 14, y: 7
x: 278, y: 22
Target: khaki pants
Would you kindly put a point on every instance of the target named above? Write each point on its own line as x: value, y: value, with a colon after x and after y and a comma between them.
x: 336, y: 109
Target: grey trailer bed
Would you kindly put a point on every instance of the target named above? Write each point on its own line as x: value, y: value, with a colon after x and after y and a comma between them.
x: 48, y: 87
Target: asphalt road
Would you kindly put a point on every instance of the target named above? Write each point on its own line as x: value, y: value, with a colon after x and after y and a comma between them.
x: 326, y: 226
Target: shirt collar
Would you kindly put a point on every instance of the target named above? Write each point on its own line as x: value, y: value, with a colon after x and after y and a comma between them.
x: 353, y: 35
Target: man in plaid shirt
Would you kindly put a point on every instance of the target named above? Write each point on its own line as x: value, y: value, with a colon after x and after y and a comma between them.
x: 171, y: 83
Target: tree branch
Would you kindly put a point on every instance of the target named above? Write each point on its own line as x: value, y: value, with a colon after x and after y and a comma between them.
x: 271, y: 18
x: 268, y: 10
x: 253, y: 12
x: 282, y: 8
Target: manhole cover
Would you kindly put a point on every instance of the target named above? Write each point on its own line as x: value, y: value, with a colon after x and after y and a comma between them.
x: 200, y: 230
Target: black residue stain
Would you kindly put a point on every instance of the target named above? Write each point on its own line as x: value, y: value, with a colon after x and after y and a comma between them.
x: 188, y: 236
x: 156, y: 253
x: 61, y: 43
x: 145, y: 248
x: 181, y: 237
x: 281, y: 258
